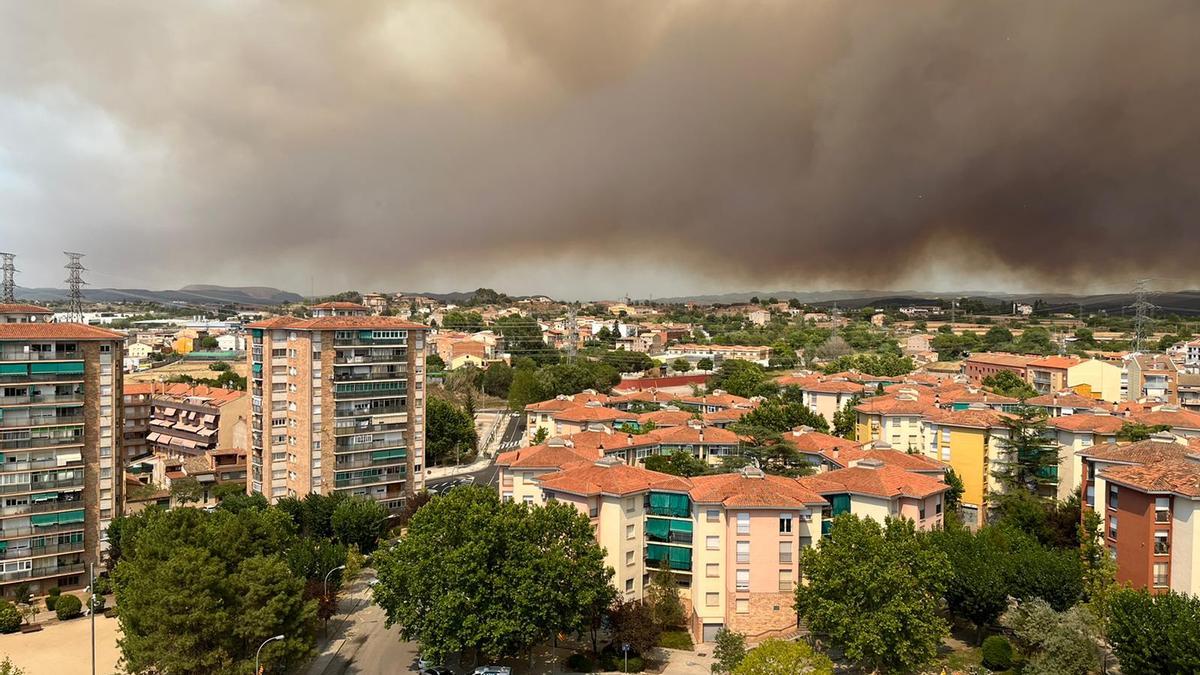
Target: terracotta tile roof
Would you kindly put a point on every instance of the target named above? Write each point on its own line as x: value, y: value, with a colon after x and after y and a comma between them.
x: 610, y: 477
x: 644, y: 396
x: 1181, y: 477
x: 339, y: 323
x: 835, y: 387
x: 546, y: 456
x: 1056, y: 362
x: 565, y: 402
x: 968, y: 395
x: 604, y: 442
x: 725, y: 415
x: 722, y: 399
x: 688, y: 435
x: 585, y: 413
x: 1000, y: 359
x: 23, y: 308
x: 971, y: 417
x: 816, y: 442
x: 137, y: 388
x: 895, y: 458
x: 56, y: 331
x: 1141, y: 452
x: 666, y: 418
x: 798, y: 379
x: 1065, y: 399
x: 1100, y: 424
x: 897, y: 404
x: 878, y: 481
x: 740, y: 490
x: 1183, y: 419
x: 215, y: 396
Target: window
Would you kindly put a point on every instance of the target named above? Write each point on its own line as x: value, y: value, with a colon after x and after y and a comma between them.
x: 921, y: 510
x: 712, y: 542
x: 1161, y: 575
x: 630, y: 531
x: 743, y: 606
x: 528, y: 499
x: 785, y: 551
x: 1162, y: 545
x: 785, y: 581
x: 785, y: 523
x: 712, y: 599
x: 1112, y: 526
x: 629, y: 558
x: 629, y: 585
x: 743, y: 551
x: 713, y: 515
x: 1162, y: 509
x: 805, y: 542
x: 712, y: 570
x: 1112, y: 496
x: 743, y: 580
x: 630, y: 504
x: 937, y: 505
x: 743, y: 523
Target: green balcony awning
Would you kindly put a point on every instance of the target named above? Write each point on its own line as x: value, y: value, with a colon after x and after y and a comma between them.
x: 680, y: 558
x: 681, y: 526
x: 14, y: 369
x: 45, y: 497
x: 841, y: 504
x: 383, y: 455
x: 71, y: 517
x: 657, y: 552
x: 658, y: 528
x: 70, y: 367
x: 663, y: 503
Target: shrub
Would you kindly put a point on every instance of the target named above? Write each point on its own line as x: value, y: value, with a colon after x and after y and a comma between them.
x: 997, y: 653
x: 10, y: 617
x: 613, y: 659
x: 54, y: 591
x: 51, y: 602
x: 676, y: 639
x: 104, y: 586
x: 580, y: 663
x: 68, y: 607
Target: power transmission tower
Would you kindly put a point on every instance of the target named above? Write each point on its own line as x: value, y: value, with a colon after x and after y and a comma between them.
x: 75, y: 285
x: 10, y: 288
x: 953, y: 311
x: 1141, y: 317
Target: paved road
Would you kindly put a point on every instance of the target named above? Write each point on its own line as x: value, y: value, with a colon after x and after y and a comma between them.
x: 510, y: 437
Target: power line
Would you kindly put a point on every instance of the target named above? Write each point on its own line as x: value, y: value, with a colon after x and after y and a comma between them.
x: 75, y: 284
x: 10, y: 287
x: 1141, y: 308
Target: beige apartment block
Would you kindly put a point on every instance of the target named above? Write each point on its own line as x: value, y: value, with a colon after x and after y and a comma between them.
x: 337, y: 404
x: 60, y: 447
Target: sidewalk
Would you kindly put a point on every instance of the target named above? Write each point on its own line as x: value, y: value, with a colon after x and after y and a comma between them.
x: 436, y: 472
x: 340, y: 626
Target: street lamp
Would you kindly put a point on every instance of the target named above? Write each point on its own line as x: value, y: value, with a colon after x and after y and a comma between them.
x: 264, y: 644
x: 339, y: 567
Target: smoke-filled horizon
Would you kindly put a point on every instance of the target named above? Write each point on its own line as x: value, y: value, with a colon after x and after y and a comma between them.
x: 603, y: 148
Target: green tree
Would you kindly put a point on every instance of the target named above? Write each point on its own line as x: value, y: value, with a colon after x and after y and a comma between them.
x: 497, y: 379
x: 208, y: 343
x: 632, y: 623
x: 1134, y: 431
x: 784, y: 413
x: 1030, y: 461
x: 449, y: 430
x: 10, y: 617
x: 434, y: 363
x: 1008, y: 383
x: 681, y: 365
x: 729, y: 648
x: 7, y: 667
x: 662, y: 595
x: 705, y: 364
x: 883, y: 365
x: 1155, y: 633
x: 1098, y: 568
x: 953, y: 496
x: 359, y: 522
x: 784, y: 657
x: 741, y: 378
x: 475, y: 573
x: 540, y: 436
x: 845, y: 421
x: 470, y: 322
x: 678, y: 463
x: 1054, y: 643
x: 523, y: 389
x: 996, y: 337
x: 186, y: 490
x: 770, y: 451
x: 875, y: 591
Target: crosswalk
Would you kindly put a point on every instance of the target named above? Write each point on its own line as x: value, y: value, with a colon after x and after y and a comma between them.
x: 510, y: 445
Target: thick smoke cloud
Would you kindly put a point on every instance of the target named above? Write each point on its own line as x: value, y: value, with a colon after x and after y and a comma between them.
x: 370, y: 143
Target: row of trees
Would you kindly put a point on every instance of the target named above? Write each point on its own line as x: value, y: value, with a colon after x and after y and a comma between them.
x: 199, y: 591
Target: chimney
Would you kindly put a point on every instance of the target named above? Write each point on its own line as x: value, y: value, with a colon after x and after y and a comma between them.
x: 870, y: 463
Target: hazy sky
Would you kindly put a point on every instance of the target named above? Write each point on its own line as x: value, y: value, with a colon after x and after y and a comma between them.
x: 592, y: 149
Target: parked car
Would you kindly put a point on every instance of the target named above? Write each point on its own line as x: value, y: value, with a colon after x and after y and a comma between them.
x: 437, y: 670
x: 492, y: 670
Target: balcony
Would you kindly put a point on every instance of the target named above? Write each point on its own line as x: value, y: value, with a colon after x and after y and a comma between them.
x: 17, y: 421
x: 362, y: 359
x: 38, y: 551
x: 374, y: 445
x: 31, y: 399
x: 1162, y: 547
x: 366, y: 377
x: 8, y: 355
x: 348, y: 411
x: 669, y: 531
x: 669, y: 557
x: 29, y: 465
x: 41, y: 485
x: 366, y: 462
x: 380, y: 478
x: 39, y: 572
x: 668, y: 504
x: 350, y: 430
x: 28, y: 530
x: 41, y: 507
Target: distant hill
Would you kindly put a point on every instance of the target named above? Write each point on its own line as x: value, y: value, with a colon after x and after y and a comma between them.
x: 197, y: 294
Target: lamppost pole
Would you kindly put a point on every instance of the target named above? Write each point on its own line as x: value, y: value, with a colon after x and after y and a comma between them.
x: 259, y: 652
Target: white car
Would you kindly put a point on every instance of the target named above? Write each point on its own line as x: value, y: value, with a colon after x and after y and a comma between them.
x: 492, y: 670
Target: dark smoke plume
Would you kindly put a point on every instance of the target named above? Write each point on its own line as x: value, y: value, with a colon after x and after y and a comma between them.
x: 787, y: 141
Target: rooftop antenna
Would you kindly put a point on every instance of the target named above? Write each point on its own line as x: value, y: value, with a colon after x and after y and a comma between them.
x: 75, y: 284
x: 10, y: 288
x: 1141, y: 307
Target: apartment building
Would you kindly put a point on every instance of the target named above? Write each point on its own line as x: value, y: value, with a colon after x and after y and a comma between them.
x: 971, y: 442
x: 1049, y: 374
x: 210, y: 469
x: 60, y: 447
x: 1151, y: 377
x: 1075, y: 433
x: 718, y: 353
x: 1097, y: 379
x: 895, y: 418
x: 873, y: 488
x: 337, y: 405
x: 1148, y: 493
x: 137, y: 406
x: 984, y: 364
x: 191, y: 420
x: 828, y: 397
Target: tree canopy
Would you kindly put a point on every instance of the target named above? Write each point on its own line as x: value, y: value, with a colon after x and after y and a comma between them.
x: 783, y: 657
x: 1008, y: 383
x: 449, y: 430
x: 1155, y: 633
